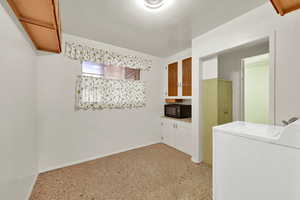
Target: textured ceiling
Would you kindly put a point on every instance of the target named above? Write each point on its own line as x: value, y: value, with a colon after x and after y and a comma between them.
x: 128, y: 24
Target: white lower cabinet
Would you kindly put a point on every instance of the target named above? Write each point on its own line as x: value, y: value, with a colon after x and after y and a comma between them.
x: 177, y: 134
x: 168, y: 135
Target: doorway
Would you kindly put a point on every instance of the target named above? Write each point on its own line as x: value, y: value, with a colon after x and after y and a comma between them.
x: 253, y: 100
x: 234, y: 93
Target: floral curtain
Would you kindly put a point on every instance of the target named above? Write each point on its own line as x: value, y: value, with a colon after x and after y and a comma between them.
x: 98, y: 93
x: 81, y: 52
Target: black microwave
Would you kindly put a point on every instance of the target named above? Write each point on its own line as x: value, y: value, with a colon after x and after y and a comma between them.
x: 178, y: 111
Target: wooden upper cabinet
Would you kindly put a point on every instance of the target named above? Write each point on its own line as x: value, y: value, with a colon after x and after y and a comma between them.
x: 41, y: 20
x: 285, y: 6
x: 187, y: 77
x: 173, y: 79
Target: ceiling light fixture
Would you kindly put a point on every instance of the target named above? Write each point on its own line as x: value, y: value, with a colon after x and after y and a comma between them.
x: 154, y: 4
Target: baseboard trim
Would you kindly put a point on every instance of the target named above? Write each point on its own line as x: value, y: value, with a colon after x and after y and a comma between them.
x: 95, y: 158
x: 197, y: 161
x: 32, y: 185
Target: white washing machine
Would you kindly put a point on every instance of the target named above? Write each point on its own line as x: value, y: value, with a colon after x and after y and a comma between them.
x: 256, y: 162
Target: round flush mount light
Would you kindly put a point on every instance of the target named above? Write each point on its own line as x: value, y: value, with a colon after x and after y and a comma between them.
x: 154, y: 4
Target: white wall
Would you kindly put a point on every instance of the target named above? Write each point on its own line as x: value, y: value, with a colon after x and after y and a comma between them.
x: 258, y: 23
x: 230, y: 69
x: 67, y: 137
x: 210, y: 68
x: 18, y: 147
x: 187, y: 53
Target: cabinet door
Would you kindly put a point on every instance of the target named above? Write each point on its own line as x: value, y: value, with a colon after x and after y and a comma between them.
x: 177, y: 138
x: 173, y: 79
x: 168, y: 133
x: 210, y: 116
x: 183, y: 138
x: 224, y: 102
x: 187, y: 77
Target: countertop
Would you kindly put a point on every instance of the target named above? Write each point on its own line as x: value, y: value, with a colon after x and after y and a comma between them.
x: 187, y: 120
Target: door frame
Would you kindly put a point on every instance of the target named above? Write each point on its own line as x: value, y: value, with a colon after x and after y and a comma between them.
x: 242, y: 91
x: 197, y: 73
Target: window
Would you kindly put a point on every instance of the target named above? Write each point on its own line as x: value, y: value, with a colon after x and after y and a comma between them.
x: 92, y: 69
x: 110, y: 72
x: 106, y: 87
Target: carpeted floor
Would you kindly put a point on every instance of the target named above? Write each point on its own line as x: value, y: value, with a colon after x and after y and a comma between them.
x: 156, y: 172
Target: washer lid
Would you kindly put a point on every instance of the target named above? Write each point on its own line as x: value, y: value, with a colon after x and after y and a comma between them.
x: 263, y: 132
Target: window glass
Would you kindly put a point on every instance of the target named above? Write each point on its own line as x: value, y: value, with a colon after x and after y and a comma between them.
x: 92, y: 69
x: 132, y: 74
x: 110, y: 72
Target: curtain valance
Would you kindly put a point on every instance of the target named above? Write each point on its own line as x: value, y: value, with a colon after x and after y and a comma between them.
x: 98, y: 93
x: 82, y: 52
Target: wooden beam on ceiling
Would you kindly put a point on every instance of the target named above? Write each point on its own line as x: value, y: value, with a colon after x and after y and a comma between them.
x: 283, y: 7
x: 41, y: 20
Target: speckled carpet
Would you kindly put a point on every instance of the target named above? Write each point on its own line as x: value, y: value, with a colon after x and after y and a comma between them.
x: 156, y: 172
